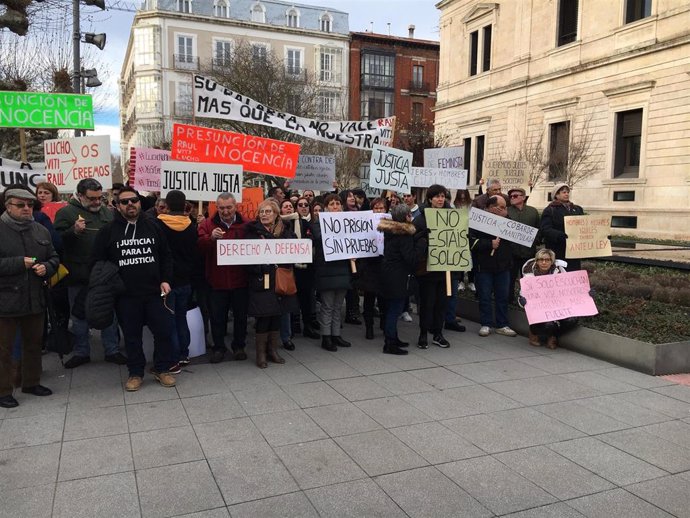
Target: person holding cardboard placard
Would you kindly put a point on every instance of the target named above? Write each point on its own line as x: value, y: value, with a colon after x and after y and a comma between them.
x: 553, y: 223
x: 518, y: 210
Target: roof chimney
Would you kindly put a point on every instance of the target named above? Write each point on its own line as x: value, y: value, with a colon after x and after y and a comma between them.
x: 411, y: 28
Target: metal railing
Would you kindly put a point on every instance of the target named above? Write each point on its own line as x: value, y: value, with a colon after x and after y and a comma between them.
x: 186, y: 62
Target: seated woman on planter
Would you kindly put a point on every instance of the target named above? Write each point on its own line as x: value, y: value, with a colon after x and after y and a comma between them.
x: 545, y: 263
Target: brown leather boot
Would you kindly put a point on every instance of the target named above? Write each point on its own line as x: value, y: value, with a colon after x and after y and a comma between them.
x: 534, y: 339
x: 261, y: 342
x: 16, y: 374
x: 272, y: 349
x: 552, y: 342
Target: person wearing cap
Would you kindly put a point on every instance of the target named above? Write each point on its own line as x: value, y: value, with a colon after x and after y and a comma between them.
x: 552, y: 224
x: 27, y: 260
x: 518, y: 210
x: 493, y: 188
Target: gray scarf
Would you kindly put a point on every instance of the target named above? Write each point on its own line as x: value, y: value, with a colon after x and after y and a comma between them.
x: 14, y: 224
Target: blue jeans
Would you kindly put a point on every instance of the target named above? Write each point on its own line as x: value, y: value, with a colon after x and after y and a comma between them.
x: 452, y: 303
x: 498, y: 285
x: 178, y: 301
x: 285, y: 327
x: 110, y: 336
x: 394, y: 308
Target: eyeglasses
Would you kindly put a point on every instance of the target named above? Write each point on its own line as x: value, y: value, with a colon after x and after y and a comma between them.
x: 544, y: 259
x: 516, y: 195
x: 265, y: 211
x: 303, y: 205
x: 127, y: 201
x: 21, y: 205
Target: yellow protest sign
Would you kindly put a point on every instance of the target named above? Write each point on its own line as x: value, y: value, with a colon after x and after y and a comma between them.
x: 587, y: 236
x: 448, y: 243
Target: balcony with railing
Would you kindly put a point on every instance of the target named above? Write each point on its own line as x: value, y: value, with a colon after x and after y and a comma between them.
x: 221, y: 64
x: 296, y: 74
x: 377, y: 81
x: 150, y: 108
x: 186, y: 62
x: 419, y: 87
x: 183, y: 109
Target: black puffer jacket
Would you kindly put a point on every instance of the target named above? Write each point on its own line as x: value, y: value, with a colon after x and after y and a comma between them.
x: 330, y: 275
x: 399, y: 257
x: 500, y: 260
x: 105, y: 285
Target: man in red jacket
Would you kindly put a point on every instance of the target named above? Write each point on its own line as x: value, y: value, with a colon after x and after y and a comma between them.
x: 228, y: 283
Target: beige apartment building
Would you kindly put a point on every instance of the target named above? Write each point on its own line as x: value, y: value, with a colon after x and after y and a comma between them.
x: 600, y: 88
x: 170, y: 40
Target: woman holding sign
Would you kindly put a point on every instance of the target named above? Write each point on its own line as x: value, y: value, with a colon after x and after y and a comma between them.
x: 553, y: 223
x: 264, y: 303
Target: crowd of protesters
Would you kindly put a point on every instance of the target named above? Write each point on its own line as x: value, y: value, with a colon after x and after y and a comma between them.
x: 132, y: 261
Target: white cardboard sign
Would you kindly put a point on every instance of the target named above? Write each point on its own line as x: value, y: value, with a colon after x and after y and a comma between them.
x: 350, y: 235
x: 504, y: 228
x: 445, y: 158
x: 70, y: 160
x: 201, y: 182
x: 389, y: 169
x: 29, y: 174
x: 449, y: 178
x: 314, y: 172
x: 263, y: 251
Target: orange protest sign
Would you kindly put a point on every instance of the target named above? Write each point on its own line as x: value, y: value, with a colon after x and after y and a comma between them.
x: 51, y: 208
x: 251, y: 197
x: 254, y: 154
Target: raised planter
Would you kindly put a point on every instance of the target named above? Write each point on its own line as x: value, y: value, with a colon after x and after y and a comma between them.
x: 654, y: 359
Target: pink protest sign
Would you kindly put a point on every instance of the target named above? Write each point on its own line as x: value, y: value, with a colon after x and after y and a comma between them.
x: 147, y: 168
x: 558, y: 296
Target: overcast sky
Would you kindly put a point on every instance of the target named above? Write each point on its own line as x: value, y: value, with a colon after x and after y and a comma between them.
x: 117, y: 24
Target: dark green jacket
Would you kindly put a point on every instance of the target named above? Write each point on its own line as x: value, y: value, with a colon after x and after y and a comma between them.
x: 528, y: 216
x: 77, y: 247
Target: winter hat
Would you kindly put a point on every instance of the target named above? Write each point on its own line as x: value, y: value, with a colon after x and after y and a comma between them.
x: 557, y: 188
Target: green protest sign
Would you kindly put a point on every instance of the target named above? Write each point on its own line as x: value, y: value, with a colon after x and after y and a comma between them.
x: 448, y: 244
x: 45, y: 111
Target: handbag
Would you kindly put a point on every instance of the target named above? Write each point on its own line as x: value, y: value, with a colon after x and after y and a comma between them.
x: 285, y: 281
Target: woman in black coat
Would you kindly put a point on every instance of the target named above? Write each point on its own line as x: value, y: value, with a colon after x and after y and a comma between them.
x: 264, y: 304
x: 553, y: 223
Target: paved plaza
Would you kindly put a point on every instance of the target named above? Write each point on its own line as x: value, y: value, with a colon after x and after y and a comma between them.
x: 489, y: 427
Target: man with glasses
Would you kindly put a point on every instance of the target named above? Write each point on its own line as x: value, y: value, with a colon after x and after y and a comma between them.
x: 78, y: 223
x: 139, y: 248
x: 518, y: 210
x: 493, y: 188
x: 228, y: 283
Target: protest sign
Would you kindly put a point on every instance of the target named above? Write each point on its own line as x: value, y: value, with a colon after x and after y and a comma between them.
x: 254, y: 154
x: 504, y: 228
x: 72, y: 159
x: 445, y: 157
x: 251, y: 197
x: 389, y: 169
x: 45, y: 110
x: 314, y: 172
x: 587, y: 236
x: 377, y: 217
x: 449, y: 178
x: 201, y: 182
x: 349, y: 235
x: 448, y: 243
x: 263, y: 251
x: 29, y: 174
x: 146, y: 166
x: 369, y: 191
x: 51, y: 208
x: 558, y: 296
x: 215, y: 101
x: 511, y: 173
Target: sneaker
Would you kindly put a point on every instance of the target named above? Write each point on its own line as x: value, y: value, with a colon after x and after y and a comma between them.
x: 422, y: 343
x: 117, y: 359
x: 484, y: 331
x: 405, y: 317
x: 175, y: 369
x: 505, y: 331
x: 164, y: 378
x: 76, y: 361
x: 472, y: 287
x: 440, y: 341
x: 461, y: 286
x: 133, y: 383
x: 184, y: 361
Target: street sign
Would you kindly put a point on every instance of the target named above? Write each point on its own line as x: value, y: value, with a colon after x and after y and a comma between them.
x: 47, y: 111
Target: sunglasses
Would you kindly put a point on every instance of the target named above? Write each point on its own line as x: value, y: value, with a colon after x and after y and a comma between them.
x: 303, y: 205
x: 127, y: 201
x: 21, y: 205
x: 516, y: 195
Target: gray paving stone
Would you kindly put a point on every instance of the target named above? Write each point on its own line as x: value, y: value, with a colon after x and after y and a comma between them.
x: 677, y: 432
x: 212, y: 407
x: 34, y: 502
x: 413, y: 360
x: 318, y: 463
x: 358, y: 389
x: 559, y: 510
x: 293, y: 505
x: 332, y: 369
x: 495, y: 486
x: 366, y: 364
x: 353, y: 500
x: 291, y: 374
x: 250, y: 472
x: 497, y: 370
x: 436, y: 443
x: 222, y: 438
x: 441, y: 377
x: 511, y: 429
x: 95, y: 422
x: 308, y: 395
x: 680, y: 392
x: 94, y: 457
x: 565, y: 362
x: 401, y: 383
x: 96, y: 396
x: 479, y: 399
x: 30, y: 406
x: 552, y: 472
x: 465, y: 353
x: 582, y: 417
x: 392, y: 411
x: 622, y: 410
x: 606, y: 461
x: 26, y: 467
x: 650, y: 448
x: 658, y: 403
x: 264, y: 400
x: 426, y: 492
x: 293, y: 426
x: 178, y: 489
x: 20, y: 432
x: 543, y: 390
x: 439, y: 405
x: 343, y: 419
x: 632, y: 377
x: 168, y: 446
x: 243, y: 376
x: 95, y: 374
x: 380, y: 452
x: 600, y: 382
x: 200, y: 380
x: 617, y: 502
x: 107, y: 496
x: 219, y: 512
x: 156, y: 415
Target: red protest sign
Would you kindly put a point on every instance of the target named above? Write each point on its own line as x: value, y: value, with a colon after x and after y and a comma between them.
x: 254, y: 154
x: 251, y: 197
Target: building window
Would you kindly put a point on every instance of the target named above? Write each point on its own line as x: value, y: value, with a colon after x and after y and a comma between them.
x: 378, y: 71
x: 328, y: 105
x: 467, y: 159
x: 259, y: 53
x: 294, y: 103
x: 222, y: 53
x: 624, y: 221
x: 376, y: 104
x: 480, y: 139
x: 480, y: 50
x: 293, y: 61
x: 623, y: 195
x: 326, y: 22
x: 637, y: 9
x: 184, y: 6
x: 185, y: 57
x: 292, y: 17
x: 258, y: 13
x: 417, y: 76
x: 567, y: 21
x: 417, y: 111
x: 183, y: 101
x: 148, y: 94
x: 559, y: 139
x: 486, y: 48
x: 221, y: 9
x: 146, y: 45
x: 328, y: 65
x: 628, y: 144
